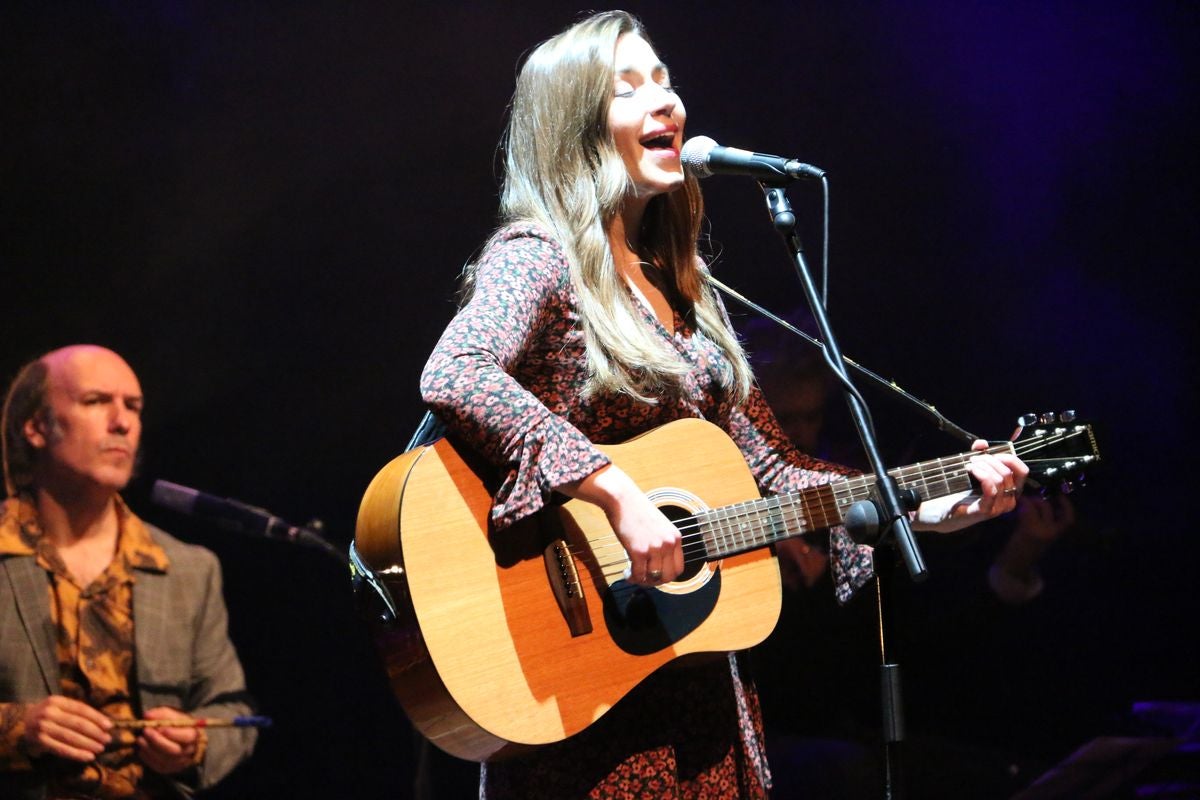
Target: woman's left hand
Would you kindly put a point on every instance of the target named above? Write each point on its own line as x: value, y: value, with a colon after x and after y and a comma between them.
x: 1001, y: 478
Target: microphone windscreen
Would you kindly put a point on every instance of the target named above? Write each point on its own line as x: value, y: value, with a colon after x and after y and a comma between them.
x: 694, y: 155
x: 173, y: 496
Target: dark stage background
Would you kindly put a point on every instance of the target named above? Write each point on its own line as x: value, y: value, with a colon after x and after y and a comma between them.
x: 264, y: 207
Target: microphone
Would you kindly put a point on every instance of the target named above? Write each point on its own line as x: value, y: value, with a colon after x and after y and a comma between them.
x: 703, y: 157
x: 234, y: 515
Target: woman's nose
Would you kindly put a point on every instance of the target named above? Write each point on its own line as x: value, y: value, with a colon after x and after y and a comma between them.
x: 663, y: 102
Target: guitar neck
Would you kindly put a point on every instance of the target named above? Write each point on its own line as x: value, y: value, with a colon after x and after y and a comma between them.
x: 757, y: 523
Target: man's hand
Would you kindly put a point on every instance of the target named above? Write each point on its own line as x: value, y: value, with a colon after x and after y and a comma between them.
x: 1044, y: 520
x: 66, y: 728
x: 168, y: 750
x: 800, y: 564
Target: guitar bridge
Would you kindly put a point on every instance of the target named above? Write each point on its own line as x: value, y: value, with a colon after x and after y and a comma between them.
x: 564, y: 582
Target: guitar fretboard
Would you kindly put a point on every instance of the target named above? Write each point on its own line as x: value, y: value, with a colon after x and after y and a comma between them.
x: 756, y: 523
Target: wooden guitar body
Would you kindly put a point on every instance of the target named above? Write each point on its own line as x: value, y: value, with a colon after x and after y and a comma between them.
x: 486, y: 653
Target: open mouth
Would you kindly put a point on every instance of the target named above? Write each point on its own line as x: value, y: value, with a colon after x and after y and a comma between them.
x: 664, y: 141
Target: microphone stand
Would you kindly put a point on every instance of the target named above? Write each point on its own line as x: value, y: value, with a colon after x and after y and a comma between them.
x: 888, y: 506
x: 234, y: 515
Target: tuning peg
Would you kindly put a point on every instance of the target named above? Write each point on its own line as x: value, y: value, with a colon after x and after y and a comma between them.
x: 1066, y: 487
x: 1047, y: 418
x: 1066, y: 416
x: 1025, y: 420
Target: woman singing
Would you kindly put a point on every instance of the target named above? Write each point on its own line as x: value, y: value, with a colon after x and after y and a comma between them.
x: 588, y: 320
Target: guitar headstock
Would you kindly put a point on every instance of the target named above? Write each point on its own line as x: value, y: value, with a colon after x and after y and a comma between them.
x: 1057, y: 447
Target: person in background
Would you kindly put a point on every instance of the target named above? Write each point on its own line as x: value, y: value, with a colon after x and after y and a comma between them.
x: 824, y: 744
x: 799, y: 387
x: 103, y: 617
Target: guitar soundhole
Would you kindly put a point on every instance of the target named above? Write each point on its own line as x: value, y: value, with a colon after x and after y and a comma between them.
x: 643, y: 620
x: 692, y: 552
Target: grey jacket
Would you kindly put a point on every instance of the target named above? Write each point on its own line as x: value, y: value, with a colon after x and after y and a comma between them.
x: 183, y: 657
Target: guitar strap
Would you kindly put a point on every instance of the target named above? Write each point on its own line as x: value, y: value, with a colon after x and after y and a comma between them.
x: 428, y: 431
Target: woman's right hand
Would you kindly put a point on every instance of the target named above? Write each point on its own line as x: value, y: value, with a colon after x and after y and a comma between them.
x: 652, y: 542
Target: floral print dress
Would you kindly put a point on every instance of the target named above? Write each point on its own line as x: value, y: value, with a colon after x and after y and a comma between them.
x: 507, y: 377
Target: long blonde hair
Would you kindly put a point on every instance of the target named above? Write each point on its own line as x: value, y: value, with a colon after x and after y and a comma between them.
x: 564, y: 174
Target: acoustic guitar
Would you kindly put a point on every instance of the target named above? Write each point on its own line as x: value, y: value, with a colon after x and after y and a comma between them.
x: 497, y: 642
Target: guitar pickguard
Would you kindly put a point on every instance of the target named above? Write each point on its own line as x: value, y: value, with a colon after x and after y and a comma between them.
x: 643, y: 620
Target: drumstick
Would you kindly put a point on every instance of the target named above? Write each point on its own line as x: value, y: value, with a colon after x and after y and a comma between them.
x: 188, y: 722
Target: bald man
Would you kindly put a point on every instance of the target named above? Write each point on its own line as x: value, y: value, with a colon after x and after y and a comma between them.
x: 102, y: 616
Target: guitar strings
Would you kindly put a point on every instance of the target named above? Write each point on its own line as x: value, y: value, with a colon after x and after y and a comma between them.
x: 693, y: 528
x: 694, y: 547
x: 800, y: 513
x: 779, y: 506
